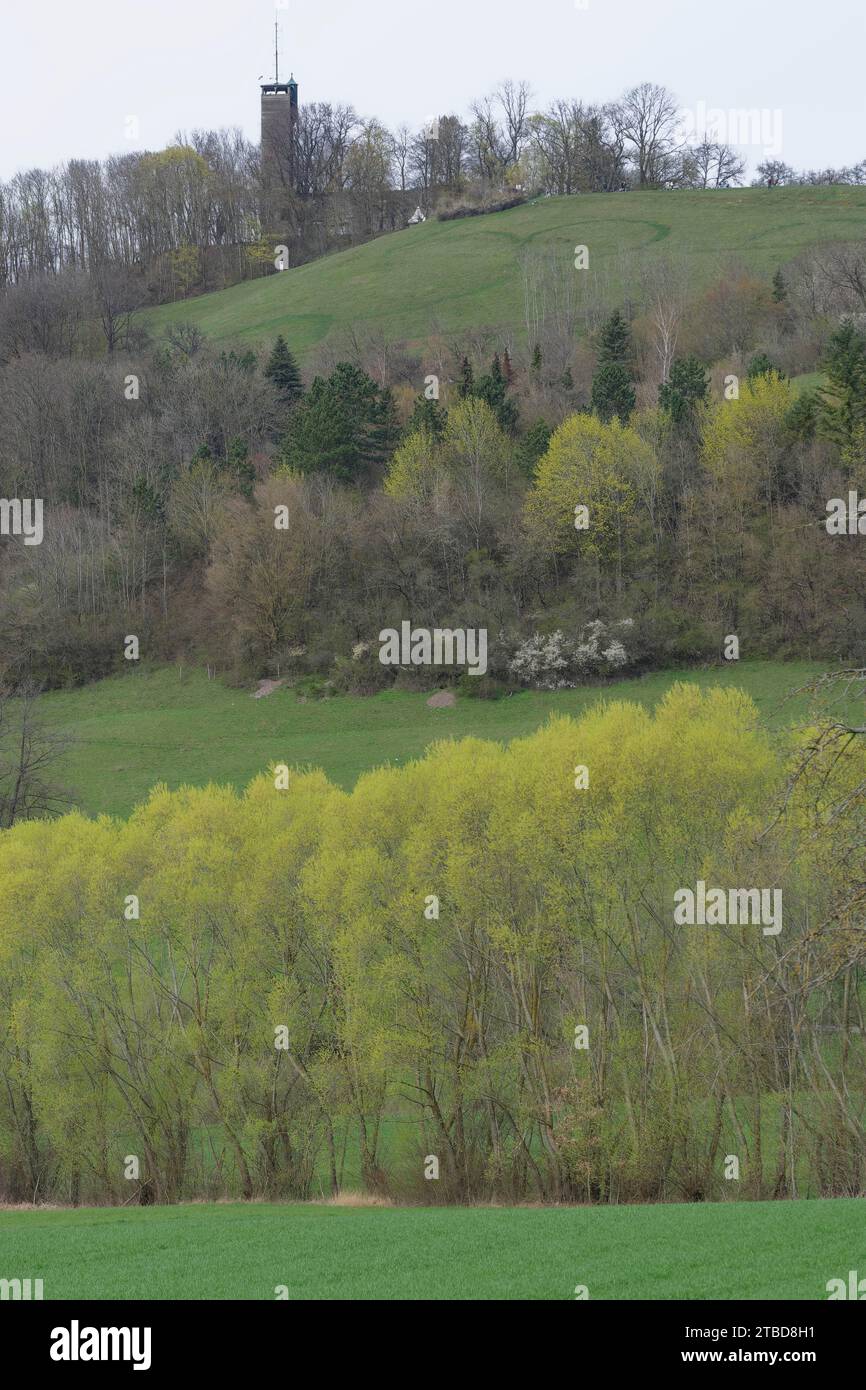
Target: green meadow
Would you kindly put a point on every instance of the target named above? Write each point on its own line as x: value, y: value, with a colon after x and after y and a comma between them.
x: 727, y: 1250
x: 453, y: 277
x: 173, y: 725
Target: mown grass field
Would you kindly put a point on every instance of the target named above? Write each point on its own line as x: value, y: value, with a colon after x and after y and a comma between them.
x: 730, y: 1250
x: 456, y: 276
x: 164, y: 725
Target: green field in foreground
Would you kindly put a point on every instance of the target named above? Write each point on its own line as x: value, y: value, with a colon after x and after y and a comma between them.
x: 727, y: 1250
x: 164, y: 725
x: 451, y: 277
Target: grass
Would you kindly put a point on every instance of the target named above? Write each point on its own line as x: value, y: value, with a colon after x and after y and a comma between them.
x: 808, y: 381
x: 452, y: 277
x: 150, y: 726
x: 728, y: 1250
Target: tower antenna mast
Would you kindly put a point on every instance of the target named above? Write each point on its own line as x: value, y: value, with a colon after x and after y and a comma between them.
x: 276, y: 50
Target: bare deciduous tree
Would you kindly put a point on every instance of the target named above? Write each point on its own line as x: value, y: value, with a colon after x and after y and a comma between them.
x: 513, y: 99
x: 648, y: 119
x: 28, y: 750
x: 665, y: 291
x: 712, y: 165
x: 118, y: 294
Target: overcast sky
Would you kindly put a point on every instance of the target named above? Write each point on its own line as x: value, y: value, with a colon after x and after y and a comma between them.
x: 73, y: 74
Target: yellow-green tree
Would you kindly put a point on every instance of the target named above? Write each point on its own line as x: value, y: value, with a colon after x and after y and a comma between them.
x: 585, y: 495
x: 745, y: 445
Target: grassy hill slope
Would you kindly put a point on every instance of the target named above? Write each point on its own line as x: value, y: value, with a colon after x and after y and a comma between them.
x: 453, y: 276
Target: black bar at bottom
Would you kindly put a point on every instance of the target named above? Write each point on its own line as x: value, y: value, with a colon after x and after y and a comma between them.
x: 151, y: 1338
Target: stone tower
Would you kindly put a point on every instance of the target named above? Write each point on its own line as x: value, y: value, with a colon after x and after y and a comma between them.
x: 279, y: 131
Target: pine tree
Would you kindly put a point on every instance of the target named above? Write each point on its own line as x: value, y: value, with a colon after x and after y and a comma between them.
x: 148, y: 499
x: 537, y: 359
x: 493, y: 389
x: 613, y: 392
x: 615, y: 341
x: 344, y: 424
x: 613, y: 384
x: 385, y: 433
x: 687, y: 385
x: 428, y: 417
x: 533, y: 445
x: 283, y: 371
x: 842, y: 405
x: 467, y: 379
x: 802, y: 418
x: 238, y: 462
x: 780, y: 289
x: 761, y: 365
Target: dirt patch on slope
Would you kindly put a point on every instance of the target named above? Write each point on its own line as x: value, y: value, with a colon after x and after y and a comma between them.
x: 266, y: 688
x: 443, y: 699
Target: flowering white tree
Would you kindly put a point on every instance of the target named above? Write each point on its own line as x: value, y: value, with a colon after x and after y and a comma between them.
x: 557, y: 662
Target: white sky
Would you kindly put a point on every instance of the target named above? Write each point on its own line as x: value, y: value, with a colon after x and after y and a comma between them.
x: 71, y: 74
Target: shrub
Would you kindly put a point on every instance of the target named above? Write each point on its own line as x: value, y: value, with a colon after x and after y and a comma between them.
x: 556, y: 662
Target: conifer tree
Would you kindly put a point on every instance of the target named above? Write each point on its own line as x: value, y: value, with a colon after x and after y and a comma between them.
x: 283, y: 371
x: 533, y: 445
x: 613, y: 393
x: 761, y: 365
x: 239, y: 464
x: 842, y: 405
x: 615, y: 341
x: 467, y: 379
x: 687, y: 385
x: 802, y: 418
x: 428, y: 417
x: 493, y: 389
x: 344, y: 424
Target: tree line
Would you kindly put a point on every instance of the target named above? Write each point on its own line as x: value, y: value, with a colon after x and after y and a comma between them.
x: 195, y: 216
x: 466, y: 960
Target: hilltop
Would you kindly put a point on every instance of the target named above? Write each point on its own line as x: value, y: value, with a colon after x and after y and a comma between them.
x: 456, y: 276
